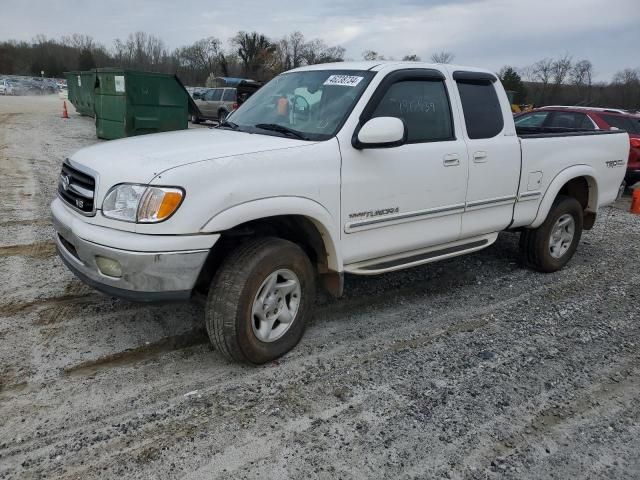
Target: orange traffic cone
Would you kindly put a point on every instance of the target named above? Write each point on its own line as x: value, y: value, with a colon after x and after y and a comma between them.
x: 65, y: 114
x: 635, y: 201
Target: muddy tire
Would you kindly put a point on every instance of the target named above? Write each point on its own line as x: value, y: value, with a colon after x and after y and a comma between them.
x: 549, y: 247
x: 260, y: 300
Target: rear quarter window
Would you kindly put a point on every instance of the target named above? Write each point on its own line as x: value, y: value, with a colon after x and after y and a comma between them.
x: 229, y: 95
x: 571, y: 120
x: 481, y: 108
x: 623, y: 123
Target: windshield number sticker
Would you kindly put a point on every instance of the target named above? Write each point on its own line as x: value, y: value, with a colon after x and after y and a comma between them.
x: 344, y: 80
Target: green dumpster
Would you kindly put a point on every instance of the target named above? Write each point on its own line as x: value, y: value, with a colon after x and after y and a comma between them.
x: 129, y: 102
x: 80, y: 86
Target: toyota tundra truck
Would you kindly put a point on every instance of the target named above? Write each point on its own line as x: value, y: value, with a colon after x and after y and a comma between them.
x: 355, y: 167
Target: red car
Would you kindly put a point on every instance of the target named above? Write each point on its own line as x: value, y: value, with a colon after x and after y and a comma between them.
x: 587, y: 118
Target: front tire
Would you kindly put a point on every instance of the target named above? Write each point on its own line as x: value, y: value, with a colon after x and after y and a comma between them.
x: 549, y: 247
x: 260, y: 300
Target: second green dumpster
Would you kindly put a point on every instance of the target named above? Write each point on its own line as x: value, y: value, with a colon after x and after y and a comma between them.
x: 131, y: 103
x: 80, y: 87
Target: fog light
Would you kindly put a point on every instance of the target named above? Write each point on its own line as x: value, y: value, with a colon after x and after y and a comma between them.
x: 109, y: 267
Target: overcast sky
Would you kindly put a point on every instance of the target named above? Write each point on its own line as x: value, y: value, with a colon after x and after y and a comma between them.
x: 484, y: 33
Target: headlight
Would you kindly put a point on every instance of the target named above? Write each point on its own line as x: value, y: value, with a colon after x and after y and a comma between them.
x: 141, y: 203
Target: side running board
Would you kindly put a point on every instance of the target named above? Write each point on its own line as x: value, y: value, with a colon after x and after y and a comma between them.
x: 420, y: 257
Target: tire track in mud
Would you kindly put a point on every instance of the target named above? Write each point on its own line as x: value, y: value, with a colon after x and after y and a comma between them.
x: 140, y: 353
x: 35, y: 250
x: 36, y: 222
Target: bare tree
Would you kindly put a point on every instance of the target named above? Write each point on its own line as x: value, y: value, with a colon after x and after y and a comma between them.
x: 316, y: 51
x: 542, y: 70
x: 581, y: 76
x: 255, y: 51
x: 581, y: 73
x: 626, y: 88
x: 561, y: 68
x: 442, y: 57
x: 411, y: 58
x: 371, y: 55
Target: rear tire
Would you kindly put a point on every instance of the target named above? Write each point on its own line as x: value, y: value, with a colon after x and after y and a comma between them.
x: 549, y: 247
x: 250, y: 319
x: 222, y: 116
x: 195, y: 119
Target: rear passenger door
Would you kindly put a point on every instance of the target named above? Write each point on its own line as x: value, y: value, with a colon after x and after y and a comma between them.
x: 494, y: 154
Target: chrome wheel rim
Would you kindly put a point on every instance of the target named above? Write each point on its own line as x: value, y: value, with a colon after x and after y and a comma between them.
x: 275, y: 306
x: 562, y: 235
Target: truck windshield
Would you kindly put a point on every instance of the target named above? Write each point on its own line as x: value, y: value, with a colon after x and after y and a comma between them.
x: 311, y: 105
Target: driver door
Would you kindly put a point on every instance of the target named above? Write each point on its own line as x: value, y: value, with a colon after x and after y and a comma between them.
x: 396, y: 200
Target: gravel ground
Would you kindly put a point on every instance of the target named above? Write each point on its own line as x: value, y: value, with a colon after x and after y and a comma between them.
x: 470, y: 368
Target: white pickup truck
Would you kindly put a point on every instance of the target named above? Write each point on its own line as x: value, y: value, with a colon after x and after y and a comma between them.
x: 361, y: 168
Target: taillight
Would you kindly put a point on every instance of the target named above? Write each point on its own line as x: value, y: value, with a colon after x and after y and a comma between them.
x: 236, y: 105
x: 635, y: 142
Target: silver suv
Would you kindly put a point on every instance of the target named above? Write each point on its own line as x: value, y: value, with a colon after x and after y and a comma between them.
x: 215, y: 104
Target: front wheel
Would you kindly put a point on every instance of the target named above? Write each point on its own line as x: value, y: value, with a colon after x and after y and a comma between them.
x: 260, y: 300
x: 549, y: 247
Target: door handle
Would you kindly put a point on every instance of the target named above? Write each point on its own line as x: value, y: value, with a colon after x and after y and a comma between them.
x: 451, y: 160
x: 480, y: 157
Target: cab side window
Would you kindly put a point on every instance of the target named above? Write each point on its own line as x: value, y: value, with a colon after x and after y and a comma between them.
x: 423, y: 105
x: 481, y: 107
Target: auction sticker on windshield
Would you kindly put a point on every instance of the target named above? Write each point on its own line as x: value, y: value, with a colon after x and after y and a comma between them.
x: 344, y: 80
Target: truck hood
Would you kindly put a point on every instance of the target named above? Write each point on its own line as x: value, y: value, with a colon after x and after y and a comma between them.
x: 140, y: 159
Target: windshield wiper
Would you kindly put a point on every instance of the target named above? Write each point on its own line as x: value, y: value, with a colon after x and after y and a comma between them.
x: 228, y: 124
x: 281, y: 129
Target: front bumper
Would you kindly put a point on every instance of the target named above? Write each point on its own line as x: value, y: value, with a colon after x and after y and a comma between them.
x: 166, y: 269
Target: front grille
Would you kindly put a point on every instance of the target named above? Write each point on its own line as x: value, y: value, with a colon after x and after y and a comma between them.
x: 76, y: 188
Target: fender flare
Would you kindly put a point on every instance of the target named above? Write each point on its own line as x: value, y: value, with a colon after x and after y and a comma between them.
x: 284, y: 205
x: 560, y: 181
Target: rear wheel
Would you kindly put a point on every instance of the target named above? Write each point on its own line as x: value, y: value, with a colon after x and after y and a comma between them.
x: 549, y: 247
x: 222, y: 115
x: 260, y: 300
x: 195, y: 119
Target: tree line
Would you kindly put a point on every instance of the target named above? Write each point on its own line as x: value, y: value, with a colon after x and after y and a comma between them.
x: 248, y: 54
x: 567, y: 81
x: 560, y: 80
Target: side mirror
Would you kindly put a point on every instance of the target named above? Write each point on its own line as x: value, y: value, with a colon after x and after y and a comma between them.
x: 381, y: 132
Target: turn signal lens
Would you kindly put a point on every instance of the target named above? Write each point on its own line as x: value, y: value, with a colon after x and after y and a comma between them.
x: 159, y: 203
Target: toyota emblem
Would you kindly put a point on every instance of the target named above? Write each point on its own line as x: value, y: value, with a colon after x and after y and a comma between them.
x: 65, y: 181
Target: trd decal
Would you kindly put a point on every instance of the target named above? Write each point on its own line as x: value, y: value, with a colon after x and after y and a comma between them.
x: 615, y: 163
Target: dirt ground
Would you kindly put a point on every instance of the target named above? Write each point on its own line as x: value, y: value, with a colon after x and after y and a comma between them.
x: 470, y: 368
